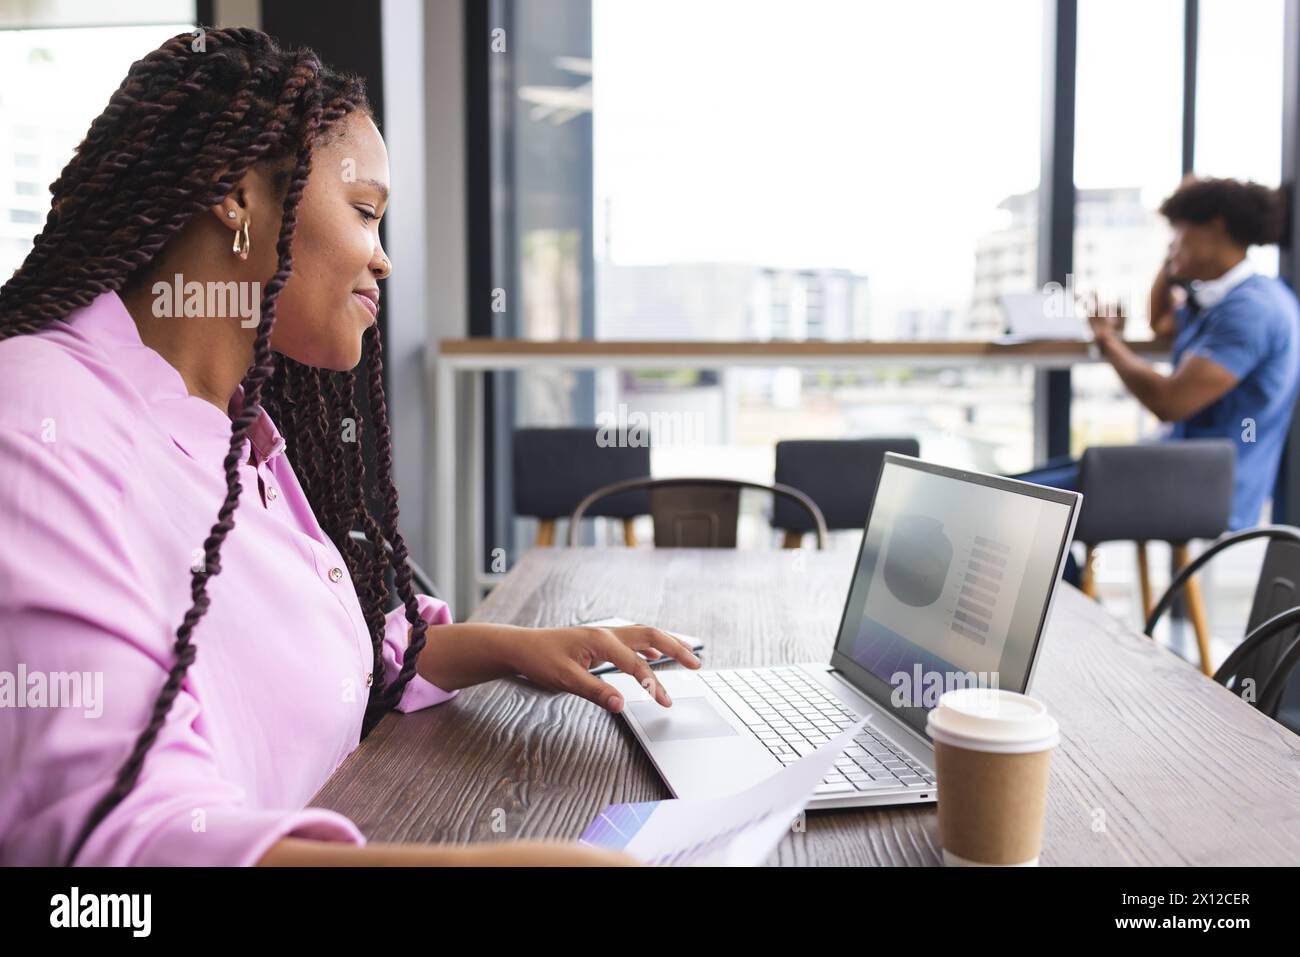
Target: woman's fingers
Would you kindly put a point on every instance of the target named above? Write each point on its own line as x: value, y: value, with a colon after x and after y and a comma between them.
x: 586, y: 685
x: 619, y: 646
x: 675, y: 648
x: 604, y: 646
x: 614, y: 650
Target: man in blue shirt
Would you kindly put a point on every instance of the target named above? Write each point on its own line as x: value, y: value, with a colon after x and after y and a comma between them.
x: 1235, y: 336
x: 1250, y: 333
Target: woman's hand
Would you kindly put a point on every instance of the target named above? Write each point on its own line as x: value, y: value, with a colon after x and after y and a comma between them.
x: 559, y: 658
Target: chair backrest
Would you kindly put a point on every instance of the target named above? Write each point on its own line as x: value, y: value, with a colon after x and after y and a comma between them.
x: 1279, y: 582
x: 838, y: 474
x: 695, y: 512
x: 1262, y: 667
x: 555, y: 469
x: 1163, y: 491
x: 1278, y: 590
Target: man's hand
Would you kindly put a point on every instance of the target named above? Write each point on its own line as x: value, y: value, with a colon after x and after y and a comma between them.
x: 559, y: 658
x: 1106, y: 319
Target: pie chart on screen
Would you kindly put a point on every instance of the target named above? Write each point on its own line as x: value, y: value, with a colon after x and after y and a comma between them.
x: 917, y: 560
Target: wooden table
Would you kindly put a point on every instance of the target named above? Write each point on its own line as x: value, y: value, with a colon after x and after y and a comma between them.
x: 1157, y: 764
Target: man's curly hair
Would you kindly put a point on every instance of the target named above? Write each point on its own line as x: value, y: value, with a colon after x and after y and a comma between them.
x: 1253, y: 215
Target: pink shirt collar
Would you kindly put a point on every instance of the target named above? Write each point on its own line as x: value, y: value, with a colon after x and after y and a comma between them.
x: 196, y: 425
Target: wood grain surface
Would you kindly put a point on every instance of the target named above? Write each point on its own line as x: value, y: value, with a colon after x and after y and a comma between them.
x: 1157, y: 764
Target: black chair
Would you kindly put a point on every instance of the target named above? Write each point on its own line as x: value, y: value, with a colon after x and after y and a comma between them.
x: 838, y: 474
x: 554, y: 469
x: 1165, y: 491
x: 1260, y: 667
x: 695, y: 512
x: 423, y: 583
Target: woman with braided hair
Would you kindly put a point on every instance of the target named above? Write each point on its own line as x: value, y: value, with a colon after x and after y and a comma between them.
x: 196, y: 640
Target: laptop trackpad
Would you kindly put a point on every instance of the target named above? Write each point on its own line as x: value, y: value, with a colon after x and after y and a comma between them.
x: 687, y: 718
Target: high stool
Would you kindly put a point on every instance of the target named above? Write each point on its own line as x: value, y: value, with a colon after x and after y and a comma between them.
x: 1165, y: 491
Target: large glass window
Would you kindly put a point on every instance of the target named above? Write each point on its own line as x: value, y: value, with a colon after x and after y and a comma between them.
x: 772, y: 170
x: 769, y: 170
x: 792, y: 171
x: 43, y: 115
x: 1239, y: 97
x: 1127, y: 159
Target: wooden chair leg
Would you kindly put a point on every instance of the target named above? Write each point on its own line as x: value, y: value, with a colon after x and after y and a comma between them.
x: 792, y: 539
x: 1087, y: 585
x: 1144, y: 576
x: 629, y: 533
x: 545, y: 533
x: 1195, y: 609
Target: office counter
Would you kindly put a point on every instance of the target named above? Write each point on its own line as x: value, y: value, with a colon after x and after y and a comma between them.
x: 454, y: 506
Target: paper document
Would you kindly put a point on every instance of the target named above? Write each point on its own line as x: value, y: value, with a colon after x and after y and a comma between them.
x: 738, y: 830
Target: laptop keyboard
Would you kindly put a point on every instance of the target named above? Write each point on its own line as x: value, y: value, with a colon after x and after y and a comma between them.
x: 793, y: 715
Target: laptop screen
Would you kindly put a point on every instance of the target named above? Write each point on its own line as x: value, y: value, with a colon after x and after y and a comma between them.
x: 952, y: 584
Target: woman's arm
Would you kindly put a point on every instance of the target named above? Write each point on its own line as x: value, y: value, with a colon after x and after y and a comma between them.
x: 462, y: 654
x: 297, y: 852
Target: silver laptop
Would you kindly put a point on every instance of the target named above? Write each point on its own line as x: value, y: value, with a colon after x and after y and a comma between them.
x: 1037, y: 316
x: 953, y: 588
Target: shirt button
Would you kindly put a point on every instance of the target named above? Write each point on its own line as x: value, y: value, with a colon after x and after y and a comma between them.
x: 370, y: 678
x: 271, y: 493
x: 336, y: 574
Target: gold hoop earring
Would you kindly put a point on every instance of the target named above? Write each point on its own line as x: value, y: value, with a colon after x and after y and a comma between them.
x: 242, y: 243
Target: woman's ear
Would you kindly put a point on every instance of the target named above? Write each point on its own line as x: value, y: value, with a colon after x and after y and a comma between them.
x: 230, y: 210
x: 233, y: 208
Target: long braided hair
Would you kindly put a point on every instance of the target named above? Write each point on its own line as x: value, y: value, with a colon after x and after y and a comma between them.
x: 182, y: 129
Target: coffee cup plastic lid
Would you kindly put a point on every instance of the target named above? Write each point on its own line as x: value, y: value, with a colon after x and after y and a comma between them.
x: 992, y: 719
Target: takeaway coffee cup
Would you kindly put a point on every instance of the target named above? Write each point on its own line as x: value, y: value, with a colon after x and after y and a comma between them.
x: 991, y: 752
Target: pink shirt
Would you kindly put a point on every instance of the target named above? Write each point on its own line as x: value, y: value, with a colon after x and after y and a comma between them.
x: 110, y: 479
